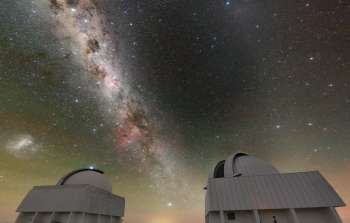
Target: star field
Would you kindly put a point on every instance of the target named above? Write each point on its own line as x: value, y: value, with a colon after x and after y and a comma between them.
x: 154, y: 93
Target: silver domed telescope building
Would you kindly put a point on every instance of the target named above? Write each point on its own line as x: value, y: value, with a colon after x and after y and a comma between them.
x: 245, y: 189
x: 82, y: 196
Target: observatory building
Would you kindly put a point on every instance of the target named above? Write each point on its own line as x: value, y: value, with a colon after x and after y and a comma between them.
x: 82, y: 196
x: 245, y: 189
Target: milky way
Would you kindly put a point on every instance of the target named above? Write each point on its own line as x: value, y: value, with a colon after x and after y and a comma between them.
x: 94, y: 47
x: 136, y: 136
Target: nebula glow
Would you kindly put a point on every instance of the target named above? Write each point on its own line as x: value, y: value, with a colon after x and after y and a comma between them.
x: 22, y: 146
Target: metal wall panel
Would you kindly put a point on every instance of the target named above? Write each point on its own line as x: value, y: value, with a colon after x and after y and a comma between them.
x: 274, y: 191
x: 214, y: 217
x: 72, y: 198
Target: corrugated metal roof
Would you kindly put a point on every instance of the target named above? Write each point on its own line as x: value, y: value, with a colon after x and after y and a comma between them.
x: 273, y: 191
x: 72, y: 198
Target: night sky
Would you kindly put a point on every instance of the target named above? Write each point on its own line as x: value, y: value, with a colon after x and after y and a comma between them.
x: 156, y: 92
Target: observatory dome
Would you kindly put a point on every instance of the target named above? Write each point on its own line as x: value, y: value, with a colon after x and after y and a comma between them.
x: 91, y: 177
x: 241, y: 164
x: 246, y: 189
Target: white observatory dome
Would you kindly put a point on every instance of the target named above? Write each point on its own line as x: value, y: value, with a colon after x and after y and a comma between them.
x: 83, y: 195
x: 241, y: 164
x: 91, y: 177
